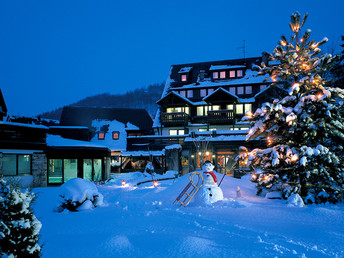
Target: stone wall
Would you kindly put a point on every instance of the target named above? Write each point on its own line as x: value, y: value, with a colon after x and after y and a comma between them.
x: 39, y: 170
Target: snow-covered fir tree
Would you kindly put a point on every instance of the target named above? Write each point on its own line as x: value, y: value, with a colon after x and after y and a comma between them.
x: 304, y: 131
x: 19, y: 228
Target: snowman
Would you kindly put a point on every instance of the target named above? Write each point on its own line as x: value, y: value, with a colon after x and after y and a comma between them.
x: 209, y: 192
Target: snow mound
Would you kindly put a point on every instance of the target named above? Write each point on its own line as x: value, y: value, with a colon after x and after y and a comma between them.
x: 295, y: 200
x: 79, y: 194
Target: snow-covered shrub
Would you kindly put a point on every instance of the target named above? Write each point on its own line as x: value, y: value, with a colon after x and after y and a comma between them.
x: 19, y: 228
x: 79, y: 194
x: 149, y: 168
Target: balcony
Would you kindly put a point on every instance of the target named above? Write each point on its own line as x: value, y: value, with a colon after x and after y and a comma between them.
x: 175, y: 118
x: 216, y: 117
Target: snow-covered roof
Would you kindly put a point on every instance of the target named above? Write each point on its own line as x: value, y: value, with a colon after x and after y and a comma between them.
x: 24, y: 125
x: 224, y: 138
x: 225, y: 67
x: 68, y: 127
x: 108, y: 141
x: 130, y: 126
x: 16, y: 151
x: 220, y: 89
x: 173, y: 147
x: 142, y: 153
x: 251, y: 77
x: 58, y: 141
x: 178, y: 95
x: 185, y: 70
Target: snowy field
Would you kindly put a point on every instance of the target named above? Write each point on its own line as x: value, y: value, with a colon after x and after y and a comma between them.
x: 142, y: 222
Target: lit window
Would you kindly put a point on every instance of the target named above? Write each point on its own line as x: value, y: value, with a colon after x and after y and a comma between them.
x: 200, y: 110
x: 231, y: 74
x: 210, y: 91
x: 101, y: 136
x: 216, y: 107
x: 206, y: 108
x: 262, y: 87
x: 248, y: 89
x: 115, y: 135
x: 232, y: 90
x: 203, y: 92
x: 240, y: 90
x: 248, y: 107
x: 202, y: 130
x: 13, y: 164
x: 190, y: 93
x: 181, y: 132
x: 184, y: 78
x: 182, y: 92
x: 173, y: 132
x: 215, y: 75
x: 240, y: 109
x: 230, y: 107
x: 223, y: 74
x: 239, y: 73
x: 177, y: 109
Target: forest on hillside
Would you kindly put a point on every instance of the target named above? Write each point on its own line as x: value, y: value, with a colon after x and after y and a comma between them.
x: 144, y: 97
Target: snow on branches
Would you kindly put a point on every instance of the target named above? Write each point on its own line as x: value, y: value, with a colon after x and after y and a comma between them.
x: 304, y: 131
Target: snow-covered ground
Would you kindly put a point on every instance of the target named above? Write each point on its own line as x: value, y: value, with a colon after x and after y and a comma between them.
x: 141, y: 221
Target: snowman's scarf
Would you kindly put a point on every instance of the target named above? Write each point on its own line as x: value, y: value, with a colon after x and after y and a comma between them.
x: 212, y: 174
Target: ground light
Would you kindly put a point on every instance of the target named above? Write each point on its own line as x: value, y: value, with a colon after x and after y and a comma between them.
x: 123, y: 183
x: 155, y: 183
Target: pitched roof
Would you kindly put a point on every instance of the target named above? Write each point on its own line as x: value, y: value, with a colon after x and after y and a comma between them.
x: 3, y: 108
x: 205, y: 66
x: 172, y: 97
x: 219, y: 95
x: 83, y: 116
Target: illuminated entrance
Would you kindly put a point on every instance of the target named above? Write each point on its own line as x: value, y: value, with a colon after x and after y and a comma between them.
x: 225, y: 161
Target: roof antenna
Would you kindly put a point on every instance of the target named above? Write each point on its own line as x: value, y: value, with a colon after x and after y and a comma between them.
x: 244, y: 51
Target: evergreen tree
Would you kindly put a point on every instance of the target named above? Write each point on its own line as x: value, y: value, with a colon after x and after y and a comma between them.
x: 19, y: 228
x: 336, y: 73
x: 304, y: 131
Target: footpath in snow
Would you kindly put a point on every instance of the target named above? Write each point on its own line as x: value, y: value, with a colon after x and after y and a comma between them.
x: 141, y: 221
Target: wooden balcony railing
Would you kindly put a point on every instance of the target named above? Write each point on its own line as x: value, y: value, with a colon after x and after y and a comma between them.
x: 175, y: 118
x: 221, y: 117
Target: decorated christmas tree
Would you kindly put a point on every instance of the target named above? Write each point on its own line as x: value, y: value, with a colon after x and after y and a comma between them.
x: 19, y: 228
x: 304, y: 131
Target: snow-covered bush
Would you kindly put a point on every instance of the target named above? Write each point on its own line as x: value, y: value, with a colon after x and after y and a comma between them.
x: 79, y: 194
x: 305, y: 130
x: 19, y: 228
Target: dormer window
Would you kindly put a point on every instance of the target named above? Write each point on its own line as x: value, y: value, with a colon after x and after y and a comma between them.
x: 232, y: 74
x: 101, y: 136
x: 115, y: 135
x: 239, y: 73
x: 223, y: 74
x: 215, y: 75
x: 184, y: 78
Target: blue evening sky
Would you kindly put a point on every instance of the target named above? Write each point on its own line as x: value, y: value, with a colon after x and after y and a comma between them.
x: 54, y: 53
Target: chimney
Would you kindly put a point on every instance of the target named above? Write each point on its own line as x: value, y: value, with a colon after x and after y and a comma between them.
x: 201, y: 75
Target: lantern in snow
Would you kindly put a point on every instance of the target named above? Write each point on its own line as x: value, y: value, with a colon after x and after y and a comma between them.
x: 155, y: 183
x: 123, y: 183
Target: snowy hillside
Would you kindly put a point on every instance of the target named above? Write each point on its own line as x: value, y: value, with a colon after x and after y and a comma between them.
x: 142, y: 222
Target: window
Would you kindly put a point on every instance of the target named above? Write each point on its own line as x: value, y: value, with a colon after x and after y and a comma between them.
x: 16, y: 164
x: 215, y: 107
x: 115, y: 135
x: 232, y: 90
x: 184, y: 77
x: 262, y: 87
x: 223, y: 74
x: 248, y: 107
x: 190, y: 93
x: 239, y: 108
x: 248, y: 90
x: 203, y: 92
x: 215, y: 75
x: 231, y: 74
x: 101, y: 136
x: 176, y: 132
x: 205, y: 130
x: 240, y: 90
x: 70, y: 169
x: 239, y: 73
x: 230, y: 107
x: 55, y: 171
x: 210, y: 91
x: 178, y: 110
x: 200, y: 111
x: 183, y: 93
x: 92, y: 169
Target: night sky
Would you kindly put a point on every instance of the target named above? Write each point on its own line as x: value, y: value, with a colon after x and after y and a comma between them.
x: 54, y: 53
